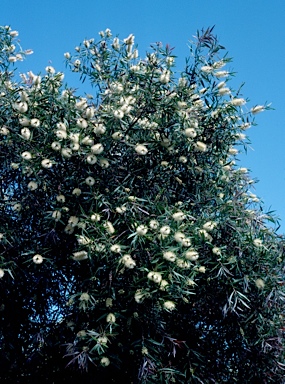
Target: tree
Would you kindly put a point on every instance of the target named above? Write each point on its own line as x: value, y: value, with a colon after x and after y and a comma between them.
x: 132, y: 248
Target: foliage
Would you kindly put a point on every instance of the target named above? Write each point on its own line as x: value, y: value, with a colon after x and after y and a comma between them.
x: 132, y: 248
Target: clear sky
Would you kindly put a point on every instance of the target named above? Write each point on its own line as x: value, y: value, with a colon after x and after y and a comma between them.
x: 251, y: 30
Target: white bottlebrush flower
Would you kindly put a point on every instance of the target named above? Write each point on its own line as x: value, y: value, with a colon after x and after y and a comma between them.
x: 82, y: 104
x: 15, y: 165
x: 108, y: 32
x: 165, y: 77
x: 83, y: 240
x: 2, y: 272
x: 183, y: 264
x: 25, y: 133
x: 135, y: 54
x: 126, y: 258
x: 182, y: 82
x: 56, y: 215
x: 61, y: 134
x: 117, y: 135
x: 200, y: 146
x: 95, y: 217
x: 224, y: 91
x: 219, y: 64
x: 220, y: 74
x: 153, y: 224
x: 257, y: 109
x: 80, y: 255
x: 24, y: 121
x: 60, y: 198
x: 165, y: 230
x: 217, y: 251
x: 105, y: 361
x: 182, y: 159
x: 169, y: 256
x: 118, y: 114
x: 169, y: 305
x: 233, y: 151
x: 154, y: 276
x: 116, y: 248
x: 130, y: 264
x: 202, y: 269
x: 186, y: 242
x: 38, y: 259
x: 91, y: 159
x: 141, y: 230
x: 179, y: 216
x: 130, y: 40
x: 109, y: 302
x: 237, y: 102
x: 4, y: 131
x: 97, y: 149
x: 179, y: 237
x: 84, y: 296
x: 14, y: 33
x: 50, y: 69
x: 260, y: 283
x: 74, y: 137
x: 46, y: 163
x: 61, y: 126
x: 66, y: 153
x: 89, y: 112
x: 206, y: 69
x: 73, y: 147
x: 26, y: 155
x: 203, y: 233
x: 221, y: 84
x: 121, y: 209
x: 109, y: 227
x: 111, y: 318
x: 35, y: 123
x: 17, y: 207
x: 32, y: 185
x: 164, y: 163
x: 210, y: 225
x: 190, y: 282
x: 24, y: 96
x: 81, y: 123
x: 76, y: 192
x: 139, y: 296
x: 90, y: 180
x: 192, y: 255
x: 12, y: 59
x: 73, y: 221
x: 22, y: 106
x: 240, y: 136
x: 116, y: 44
x: 116, y: 87
x: 141, y: 149
x: 67, y: 55
x: 242, y: 170
x: 190, y: 132
x: 163, y: 285
x: 87, y: 141
x: 257, y: 243
x: 104, y: 163
x: 170, y: 60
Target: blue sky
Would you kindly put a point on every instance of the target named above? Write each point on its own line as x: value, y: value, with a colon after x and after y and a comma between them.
x: 251, y: 30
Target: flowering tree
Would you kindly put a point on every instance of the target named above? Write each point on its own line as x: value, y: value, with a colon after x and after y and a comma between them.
x: 131, y: 245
